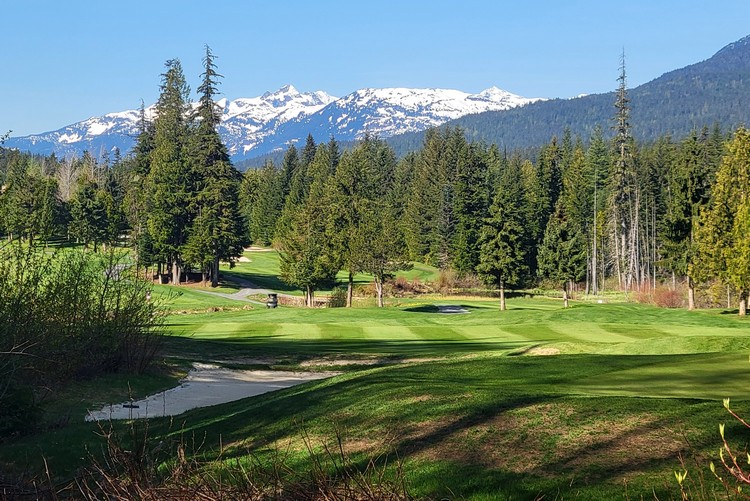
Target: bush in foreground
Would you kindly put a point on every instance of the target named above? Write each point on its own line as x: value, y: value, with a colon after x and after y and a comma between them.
x: 64, y: 316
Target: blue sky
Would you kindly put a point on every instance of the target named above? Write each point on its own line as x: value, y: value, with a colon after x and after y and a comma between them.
x: 64, y: 61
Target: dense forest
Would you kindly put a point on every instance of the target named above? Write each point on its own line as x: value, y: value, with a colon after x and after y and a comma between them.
x: 583, y: 211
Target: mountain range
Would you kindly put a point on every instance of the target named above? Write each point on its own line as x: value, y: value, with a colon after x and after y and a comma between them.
x: 261, y: 125
x: 714, y: 91
x: 710, y: 92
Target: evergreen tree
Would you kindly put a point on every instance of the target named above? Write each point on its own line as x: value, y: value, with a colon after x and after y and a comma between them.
x: 380, y: 244
x: 307, y: 257
x: 308, y: 152
x: 289, y: 168
x: 562, y: 254
x: 723, y: 248
x: 135, y: 200
x: 577, y: 201
x: 28, y: 201
x: 362, y: 183
x: 88, y: 210
x: 624, y: 196
x: 550, y: 179
x: 687, y: 192
x: 428, y: 214
x: 263, y: 202
x: 532, y: 208
x: 470, y: 207
x: 334, y: 153
x: 217, y: 230
x: 502, y: 254
x: 598, y: 160
x: 169, y: 183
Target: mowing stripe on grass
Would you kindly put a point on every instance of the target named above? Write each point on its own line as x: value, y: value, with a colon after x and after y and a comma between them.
x: 298, y: 331
x: 389, y: 332
x: 430, y: 333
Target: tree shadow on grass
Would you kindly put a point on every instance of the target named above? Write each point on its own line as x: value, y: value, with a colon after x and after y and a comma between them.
x: 261, y: 280
x: 280, y: 346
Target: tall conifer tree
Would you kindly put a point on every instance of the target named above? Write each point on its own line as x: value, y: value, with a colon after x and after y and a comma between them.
x: 502, y: 251
x: 217, y: 230
x: 169, y: 178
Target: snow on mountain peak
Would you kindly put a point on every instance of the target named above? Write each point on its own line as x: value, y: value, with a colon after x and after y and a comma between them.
x: 260, y: 124
x: 391, y: 111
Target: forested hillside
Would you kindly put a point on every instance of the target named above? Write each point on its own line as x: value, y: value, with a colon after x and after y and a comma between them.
x: 709, y: 92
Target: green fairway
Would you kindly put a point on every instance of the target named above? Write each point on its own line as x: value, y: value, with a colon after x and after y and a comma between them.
x: 537, y: 400
x: 261, y: 267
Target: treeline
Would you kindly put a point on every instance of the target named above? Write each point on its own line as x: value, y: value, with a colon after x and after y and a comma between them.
x: 601, y: 213
x: 598, y: 213
x: 175, y: 196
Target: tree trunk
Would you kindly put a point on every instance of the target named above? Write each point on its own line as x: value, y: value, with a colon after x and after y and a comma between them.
x: 379, y: 290
x: 175, y: 273
x: 594, y: 270
x: 691, y: 294
x: 565, y: 295
x: 350, y: 290
x: 743, y: 303
x: 215, y: 272
x: 502, y: 296
x: 310, y: 297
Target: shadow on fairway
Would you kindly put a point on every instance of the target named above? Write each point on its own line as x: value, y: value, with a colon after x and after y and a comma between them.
x: 262, y: 280
x: 494, y: 417
x: 277, y: 346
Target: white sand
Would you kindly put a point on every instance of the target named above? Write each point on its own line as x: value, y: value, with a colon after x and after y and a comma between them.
x: 206, y: 385
x: 451, y: 309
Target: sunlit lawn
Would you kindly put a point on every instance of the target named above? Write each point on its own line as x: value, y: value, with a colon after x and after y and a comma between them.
x: 538, y: 400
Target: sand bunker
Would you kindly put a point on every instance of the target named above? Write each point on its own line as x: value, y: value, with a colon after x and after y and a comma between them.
x: 206, y: 385
x: 452, y: 309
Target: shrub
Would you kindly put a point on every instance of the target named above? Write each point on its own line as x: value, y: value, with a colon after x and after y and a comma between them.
x: 337, y: 298
x: 450, y: 281
x: 664, y: 297
x: 69, y: 315
x: 668, y: 298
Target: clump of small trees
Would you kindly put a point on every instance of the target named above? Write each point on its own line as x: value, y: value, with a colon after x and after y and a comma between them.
x: 66, y: 316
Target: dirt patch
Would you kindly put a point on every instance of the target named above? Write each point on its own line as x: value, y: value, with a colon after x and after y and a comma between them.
x: 335, y: 362
x: 421, y: 360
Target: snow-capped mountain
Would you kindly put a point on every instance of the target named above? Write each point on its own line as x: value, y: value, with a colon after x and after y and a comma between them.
x: 259, y: 125
x: 388, y: 112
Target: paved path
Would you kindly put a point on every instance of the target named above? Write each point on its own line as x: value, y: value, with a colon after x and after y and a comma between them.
x: 248, y: 289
